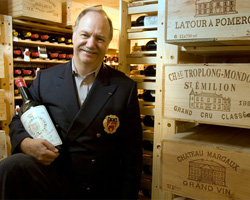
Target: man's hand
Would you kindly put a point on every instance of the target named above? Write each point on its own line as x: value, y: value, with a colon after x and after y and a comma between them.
x: 40, y: 149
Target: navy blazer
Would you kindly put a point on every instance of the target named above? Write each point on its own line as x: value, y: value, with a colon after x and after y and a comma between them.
x: 107, y: 162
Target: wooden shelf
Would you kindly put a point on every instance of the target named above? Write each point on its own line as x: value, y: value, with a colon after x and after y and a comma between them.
x: 143, y: 60
x: 150, y: 8
x: 141, y: 78
x: 142, y: 35
x: 29, y: 43
x: 146, y: 85
x: 40, y: 26
x: 40, y: 61
x: 26, y: 78
x: 141, y: 28
x: 148, y: 135
x: 148, y: 110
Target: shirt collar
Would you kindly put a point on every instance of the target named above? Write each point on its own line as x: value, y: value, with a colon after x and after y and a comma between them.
x: 74, y: 71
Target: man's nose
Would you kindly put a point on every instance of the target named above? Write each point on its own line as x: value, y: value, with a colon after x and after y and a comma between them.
x: 91, y: 42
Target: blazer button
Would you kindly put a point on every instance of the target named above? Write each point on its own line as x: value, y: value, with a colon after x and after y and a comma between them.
x: 93, y: 161
x: 98, y: 135
x: 57, y: 126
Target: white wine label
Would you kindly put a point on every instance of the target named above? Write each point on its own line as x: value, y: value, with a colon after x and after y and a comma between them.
x: 38, y: 124
x: 150, y: 21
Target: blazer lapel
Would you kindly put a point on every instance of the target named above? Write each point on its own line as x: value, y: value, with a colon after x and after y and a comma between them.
x: 99, y: 94
x: 67, y: 93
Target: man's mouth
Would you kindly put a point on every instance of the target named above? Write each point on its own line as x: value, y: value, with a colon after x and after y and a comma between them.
x: 92, y: 51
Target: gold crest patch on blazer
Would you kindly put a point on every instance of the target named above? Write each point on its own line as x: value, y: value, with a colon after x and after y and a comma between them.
x: 111, y: 123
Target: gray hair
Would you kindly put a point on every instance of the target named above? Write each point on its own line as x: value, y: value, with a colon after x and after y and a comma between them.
x: 98, y: 10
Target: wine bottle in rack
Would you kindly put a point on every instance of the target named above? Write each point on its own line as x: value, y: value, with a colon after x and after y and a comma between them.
x: 69, y: 56
x: 61, y: 56
x: 145, y: 21
x: 28, y: 72
x: 34, y: 36
x: 148, y: 95
x: 137, y: 72
x: 148, y: 120
x: 150, y: 46
x: 15, y: 33
x: 68, y: 41
x: 147, y: 145
x: 34, y: 54
x: 44, y: 37
x: 150, y: 70
x: 53, y: 55
x: 26, y: 35
x: 17, y: 53
x: 35, y: 118
x: 17, y: 71
x: 61, y: 39
x: 52, y: 39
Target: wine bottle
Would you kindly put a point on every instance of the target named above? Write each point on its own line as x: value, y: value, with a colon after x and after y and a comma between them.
x: 69, y: 56
x: 147, y: 145
x: 145, y: 21
x: 17, y: 72
x: 61, y: 39
x: 52, y: 39
x: 149, y: 95
x: 150, y: 70
x: 26, y: 35
x: 68, y: 41
x: 15, y: 33
x: 53, y: 55
x: 35, y: 117
x: 137, y: 72
x: 61, y: 56
x: 148, y: 121
x: 34, y: 36
x: 150, y: 46
x: 28, y: 72
x: 17, y: 53
x: 34, y: 54
x: 44, y: 37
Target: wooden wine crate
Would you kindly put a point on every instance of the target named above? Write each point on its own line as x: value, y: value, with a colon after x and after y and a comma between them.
x: 208, y: 22
x: 49, y: 11
x: 70, y: 11
x: 207, y: 93
x: 1, y: 63
x: 3, y: 145
x: 207, y: 162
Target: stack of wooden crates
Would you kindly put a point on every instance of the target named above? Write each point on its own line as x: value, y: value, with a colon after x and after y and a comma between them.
x: 6, y: 87
x: 202, y: 83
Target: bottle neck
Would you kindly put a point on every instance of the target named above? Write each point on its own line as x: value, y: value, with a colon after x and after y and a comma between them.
x: 25, y: 94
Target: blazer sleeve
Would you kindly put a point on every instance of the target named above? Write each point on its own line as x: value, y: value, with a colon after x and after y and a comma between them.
x: 132, y: 147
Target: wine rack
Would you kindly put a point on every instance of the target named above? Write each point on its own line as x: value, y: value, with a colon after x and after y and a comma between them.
x: 133, y: 60
x: 6, y: 83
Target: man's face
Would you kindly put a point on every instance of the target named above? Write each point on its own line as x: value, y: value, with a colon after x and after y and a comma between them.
x: 91, y: 39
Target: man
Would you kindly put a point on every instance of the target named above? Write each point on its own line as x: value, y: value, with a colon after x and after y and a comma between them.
x: 96, y: 112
